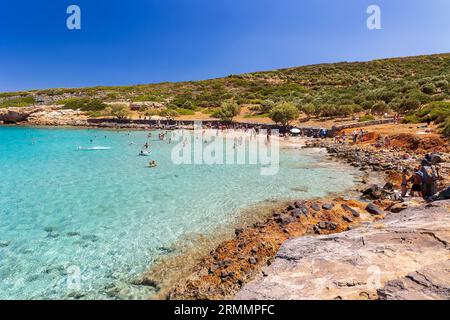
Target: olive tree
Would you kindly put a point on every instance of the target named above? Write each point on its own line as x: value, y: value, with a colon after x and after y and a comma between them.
x: 227, y: 111
x: 284, y: 113
x: 169, y: 114
x: 120, y: 111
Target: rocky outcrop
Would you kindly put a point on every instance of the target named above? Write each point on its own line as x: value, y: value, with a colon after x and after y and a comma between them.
x: 404, y: 256
x: 51, y: 115
x: 431, y: 282
x: 58, y: 117
x: 14, y: 115
x: 222, y: 273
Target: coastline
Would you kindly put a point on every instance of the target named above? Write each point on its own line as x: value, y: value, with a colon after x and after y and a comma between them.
x: 191, y: 251
x: 256, y: 242
x: 224, y: 271
x: 251, y: 215
x: 235, y: 261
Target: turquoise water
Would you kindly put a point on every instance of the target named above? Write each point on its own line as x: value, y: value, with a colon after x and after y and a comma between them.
x: 107, y: 214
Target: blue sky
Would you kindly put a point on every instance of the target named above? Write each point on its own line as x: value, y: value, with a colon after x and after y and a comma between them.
x: 147, y: 41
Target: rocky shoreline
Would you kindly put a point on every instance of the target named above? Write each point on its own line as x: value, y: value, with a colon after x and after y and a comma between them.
x: 403, y: 256
x: 224, y: 273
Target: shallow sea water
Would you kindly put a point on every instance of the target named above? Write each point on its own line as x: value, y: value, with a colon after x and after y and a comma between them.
x: 75, y: 224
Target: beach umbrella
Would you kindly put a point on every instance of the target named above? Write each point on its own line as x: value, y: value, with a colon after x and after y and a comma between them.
x: 295, y: 130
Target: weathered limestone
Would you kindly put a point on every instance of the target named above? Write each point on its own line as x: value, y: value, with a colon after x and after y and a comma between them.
x: 404, y: 256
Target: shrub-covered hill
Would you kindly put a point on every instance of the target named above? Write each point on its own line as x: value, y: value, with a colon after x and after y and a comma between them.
x: 400, y: 85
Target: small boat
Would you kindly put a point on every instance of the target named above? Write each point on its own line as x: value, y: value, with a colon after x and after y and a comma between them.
x: 145, y: 153
x: 93, y: 148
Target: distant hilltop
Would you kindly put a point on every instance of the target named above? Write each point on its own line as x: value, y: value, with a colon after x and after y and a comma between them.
x: 397, y: 85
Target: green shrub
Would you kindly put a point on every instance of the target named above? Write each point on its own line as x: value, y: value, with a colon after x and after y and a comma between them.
x: 442, y: 84
x: 409, y: 105
x: 13, y: 94
x: 367, y: 105
x: 438, y: 112
x: 412, y: 118
x: 309, y: 109
x: 85, y: 104
x: 379, y: 108
x: 428, y: 88
x: 366, y: 117
x: 169, y: 114
x: 143, y: 98
x: 150, y: 112
x: 267, y: 106
x: 185, y: 112
x: 446, y: 128
x: 284, y: 113
x: 120, y: 111
x: 18, y: 102
x: 227, y: 111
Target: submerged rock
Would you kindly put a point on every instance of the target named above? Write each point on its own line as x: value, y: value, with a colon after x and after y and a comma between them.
x: 53, y: 234
x: 148, y: 282
x: 4, y: 243
x: 90, y: 237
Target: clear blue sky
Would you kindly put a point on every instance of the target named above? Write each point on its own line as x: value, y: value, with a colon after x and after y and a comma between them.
x: 144, y: 41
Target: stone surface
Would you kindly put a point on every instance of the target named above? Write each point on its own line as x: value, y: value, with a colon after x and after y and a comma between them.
x: 431, y: 282
x: 373, y: 209
x: 403, y: 256
x: 349, y: 209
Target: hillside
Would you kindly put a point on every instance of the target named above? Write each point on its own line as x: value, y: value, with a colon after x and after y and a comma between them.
x: 400, y: 85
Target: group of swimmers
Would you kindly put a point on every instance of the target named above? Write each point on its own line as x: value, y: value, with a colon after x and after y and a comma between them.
x: 161, y: 136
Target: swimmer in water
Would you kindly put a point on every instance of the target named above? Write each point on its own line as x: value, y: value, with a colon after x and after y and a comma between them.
x: 152, y: 164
